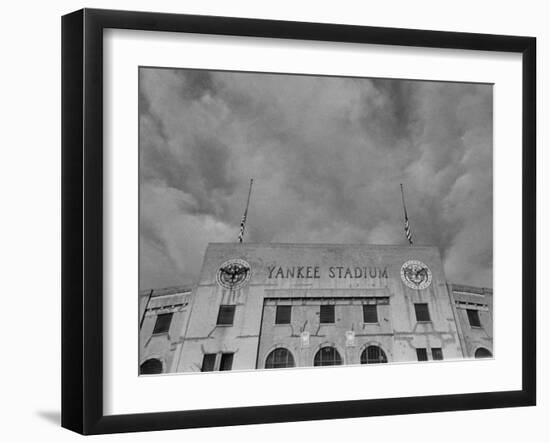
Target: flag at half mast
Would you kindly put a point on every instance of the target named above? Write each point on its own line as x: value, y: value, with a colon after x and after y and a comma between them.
x: 408, y: 232
x: 243, y: 220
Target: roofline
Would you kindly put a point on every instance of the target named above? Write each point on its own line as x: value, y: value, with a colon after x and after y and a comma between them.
x: 170, y: 290
x: 472, y: 289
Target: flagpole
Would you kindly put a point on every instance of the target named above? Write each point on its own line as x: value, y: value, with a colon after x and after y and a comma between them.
x: 408, y: 233
x: 403, y: 200
x: 243, y: 221
x: 145, y: 309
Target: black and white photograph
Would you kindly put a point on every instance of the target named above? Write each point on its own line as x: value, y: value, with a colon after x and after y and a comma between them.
x: 300, y: 221
x: 248, y: 222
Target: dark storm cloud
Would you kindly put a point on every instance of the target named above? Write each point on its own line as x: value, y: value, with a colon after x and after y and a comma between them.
x: 327, y: 155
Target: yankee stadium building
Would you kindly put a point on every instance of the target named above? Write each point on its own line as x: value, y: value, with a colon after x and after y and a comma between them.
x: 263, y: 306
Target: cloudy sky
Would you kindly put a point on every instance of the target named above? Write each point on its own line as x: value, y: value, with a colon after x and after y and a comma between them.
x: 327, y: 155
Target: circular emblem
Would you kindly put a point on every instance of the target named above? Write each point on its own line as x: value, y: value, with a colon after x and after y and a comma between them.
x: 416, y: 275
x: 233, y: 273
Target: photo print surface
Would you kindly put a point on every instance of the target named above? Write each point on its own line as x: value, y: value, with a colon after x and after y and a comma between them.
x: 292, y: 221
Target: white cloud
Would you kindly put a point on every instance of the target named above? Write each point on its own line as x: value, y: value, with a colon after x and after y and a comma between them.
x: 327, y: 155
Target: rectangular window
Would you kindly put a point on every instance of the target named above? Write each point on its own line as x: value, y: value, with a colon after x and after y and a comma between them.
x: 162, y: 325
x: 226, y: 362
x: 327, y: 314
x: 226, y: 315
x: 437, y: 354
x: 282, y: 315
x: 208, y: 362
x: 421, y: 354
x: 473, y: 318
x: 370, y: 314
x: 422, y: 312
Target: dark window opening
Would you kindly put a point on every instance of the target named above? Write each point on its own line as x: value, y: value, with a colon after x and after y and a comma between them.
x: 373, y: 354
x: 473, y: 318
x: 327, y: 356
x: 151, y: 366
x: 279, y: 358
x: 283, y: 314
x: 483, y: 353
x: 370, y: 314
x: 226, y: 362
x: 327, y: 314
x: 421, y: 354
x: 437, y: 354
x: 422, y: 312
x: 208, y: 362
x: 226, y: 315
x: 162, y: 324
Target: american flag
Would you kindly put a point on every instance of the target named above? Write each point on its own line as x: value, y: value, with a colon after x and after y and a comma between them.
x: 241, y: 232
x: 243, y: 220
x: 408, y: 232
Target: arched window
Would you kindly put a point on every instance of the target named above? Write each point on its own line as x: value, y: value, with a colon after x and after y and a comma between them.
x: 151, y: 366
x: 279, y: 358
x: 483, y: 353
x: 373, y: 354
x: 327, y: 356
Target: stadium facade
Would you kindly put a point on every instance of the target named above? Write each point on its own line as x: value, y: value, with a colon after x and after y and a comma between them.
x: 262, y: 306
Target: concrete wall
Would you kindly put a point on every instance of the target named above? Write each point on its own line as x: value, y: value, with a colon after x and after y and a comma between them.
x: 305, y: 317
x: 162, y: 346
x: 335, y: 272
x: 481, y: 300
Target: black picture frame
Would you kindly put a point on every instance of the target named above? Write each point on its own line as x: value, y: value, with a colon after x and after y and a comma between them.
x: 82, y: 220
